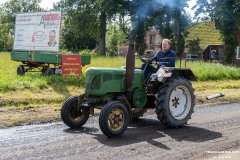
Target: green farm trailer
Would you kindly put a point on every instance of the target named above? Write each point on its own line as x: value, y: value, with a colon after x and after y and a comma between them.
x: 46, y: 62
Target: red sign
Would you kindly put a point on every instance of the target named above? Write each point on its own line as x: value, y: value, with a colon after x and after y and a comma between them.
x: 71, y: 65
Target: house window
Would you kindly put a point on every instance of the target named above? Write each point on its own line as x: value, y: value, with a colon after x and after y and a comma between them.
x: 152, y: 39
x: 238, y: 52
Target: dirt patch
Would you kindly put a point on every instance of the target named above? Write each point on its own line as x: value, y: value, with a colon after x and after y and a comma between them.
x: 15, y: 116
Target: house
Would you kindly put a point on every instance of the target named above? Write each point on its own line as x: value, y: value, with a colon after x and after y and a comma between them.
x: 153, y: 40
x: 122, y: 50
x: 213, y: 52
x: 210, y: 40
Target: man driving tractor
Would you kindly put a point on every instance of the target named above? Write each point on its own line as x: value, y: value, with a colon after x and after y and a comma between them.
x: 164, y: 58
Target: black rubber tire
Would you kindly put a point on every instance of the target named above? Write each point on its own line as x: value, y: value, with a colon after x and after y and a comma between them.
x: 64, y: 104
x: 20, y: 70
x: 49, y: 72
x: 104, y: 119
x: 162, y: 100
x: 69, y: 111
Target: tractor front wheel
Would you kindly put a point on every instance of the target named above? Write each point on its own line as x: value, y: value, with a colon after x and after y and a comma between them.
x: 73, y: 115
x: 114, y: 119
x: 175, y: 102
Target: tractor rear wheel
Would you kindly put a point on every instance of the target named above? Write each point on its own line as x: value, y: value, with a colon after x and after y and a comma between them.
x: 72, y: 114
x: 114, y: 119
x: 175, y: 102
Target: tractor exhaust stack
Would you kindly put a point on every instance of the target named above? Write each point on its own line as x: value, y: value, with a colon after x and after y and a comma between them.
x: 130, y: 65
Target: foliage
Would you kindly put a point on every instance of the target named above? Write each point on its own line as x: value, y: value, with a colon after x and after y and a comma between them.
x: 92, y: 53
x: 206, y: 71
x: 80, y: 29
x: 7, y: 19
x: 226, y: 14
x: 226, y: 18
x: 85, y: 52
x: 193, y: 45
x: 204, y: 10
x: 115, y: 37
x: 168, y: 17
x: 205, y: 32
x: 86, y: 22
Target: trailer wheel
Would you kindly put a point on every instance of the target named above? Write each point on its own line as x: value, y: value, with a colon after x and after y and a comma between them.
x: 20, y: 70
x: 114, y: 119
x: 72, y: 114
x: 50, y: 71
x: 175, y: 102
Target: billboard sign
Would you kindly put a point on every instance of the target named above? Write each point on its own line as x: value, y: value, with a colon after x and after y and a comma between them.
x: 37, y: 31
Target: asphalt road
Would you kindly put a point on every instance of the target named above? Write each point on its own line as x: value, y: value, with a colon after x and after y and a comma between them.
x: 212, y: 133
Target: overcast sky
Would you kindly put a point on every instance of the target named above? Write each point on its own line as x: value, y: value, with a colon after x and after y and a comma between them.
x: 44, y: 4
x: 48, y: 3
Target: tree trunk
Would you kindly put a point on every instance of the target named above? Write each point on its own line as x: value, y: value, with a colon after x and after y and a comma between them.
x: 102, y: 43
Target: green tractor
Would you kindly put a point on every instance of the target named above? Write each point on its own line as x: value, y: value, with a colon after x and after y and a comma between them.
x: 123, y: 95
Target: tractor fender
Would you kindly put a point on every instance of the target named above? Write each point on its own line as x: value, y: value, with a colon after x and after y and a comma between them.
x: 183, y: 72
x: 167, y: 72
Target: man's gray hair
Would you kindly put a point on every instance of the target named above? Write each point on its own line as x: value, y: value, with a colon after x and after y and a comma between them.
x: 167, y: 40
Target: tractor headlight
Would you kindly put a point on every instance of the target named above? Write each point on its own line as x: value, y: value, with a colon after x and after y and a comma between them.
x: 163, y: 73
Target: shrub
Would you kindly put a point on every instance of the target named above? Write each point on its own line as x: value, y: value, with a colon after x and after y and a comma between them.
x: 92, y: 53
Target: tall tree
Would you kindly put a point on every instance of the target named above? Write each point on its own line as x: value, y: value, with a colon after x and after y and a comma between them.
x: 167, y: 16
x: 226, y: 17
x: 88, y: 18
x: 7, y: 17
x: 115, y: 37
x: 226, y: 14
x: 80, y: 28
x: 193, y: 45
x: 204, y: 9
x: 107, y: 9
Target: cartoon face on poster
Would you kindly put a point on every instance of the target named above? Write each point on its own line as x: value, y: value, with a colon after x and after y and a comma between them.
x: 37, y: 31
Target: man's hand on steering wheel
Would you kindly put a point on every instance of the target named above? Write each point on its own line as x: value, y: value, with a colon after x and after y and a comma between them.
x: 144, y: 60
x: 156, y: 63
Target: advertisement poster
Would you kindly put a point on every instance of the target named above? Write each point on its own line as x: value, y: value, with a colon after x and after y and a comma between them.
x: 37, y: 31
x: 71, y: 66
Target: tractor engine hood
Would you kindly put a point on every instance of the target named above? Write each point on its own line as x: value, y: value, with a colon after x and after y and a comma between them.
x: 101, y: 81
